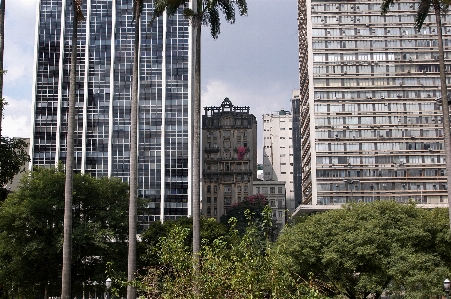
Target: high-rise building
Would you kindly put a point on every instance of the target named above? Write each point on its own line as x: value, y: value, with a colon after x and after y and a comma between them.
x: 370, y: 126
x: 278, y: 151
x: 229, y: 155
x: 104, y: 75
x: 296, y: 142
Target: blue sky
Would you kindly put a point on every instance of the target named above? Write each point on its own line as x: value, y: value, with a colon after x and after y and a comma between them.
x: 254, y: 62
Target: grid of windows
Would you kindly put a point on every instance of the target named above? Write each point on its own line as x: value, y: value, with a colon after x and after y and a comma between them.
x: 104, y: 75
x: 373, y: 110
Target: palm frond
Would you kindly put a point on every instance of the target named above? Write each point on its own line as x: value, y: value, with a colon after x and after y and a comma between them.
x: 242, y: 7
x: 78, y: 13
x: 159, y: 8
x: 228, y: 9
x: 422, y: 13
x: 385, y: 6
x: 213, y: 20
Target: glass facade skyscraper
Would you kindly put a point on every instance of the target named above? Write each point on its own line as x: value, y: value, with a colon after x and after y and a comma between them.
x: 104, y: 75
x: 370, y: 126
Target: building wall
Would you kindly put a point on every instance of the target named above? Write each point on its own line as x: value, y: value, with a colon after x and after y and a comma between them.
x: 296, y: 131
x: 370, y: 126
x: 278, y: 151
x: 104, y: 75
x: 275, y: 193
x: 229, y: 142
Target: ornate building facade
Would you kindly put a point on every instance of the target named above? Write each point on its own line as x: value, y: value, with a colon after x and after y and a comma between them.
x: 229, y: 157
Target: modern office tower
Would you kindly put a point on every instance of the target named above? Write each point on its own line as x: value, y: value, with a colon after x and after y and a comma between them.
x: 370, y: 126
x: 104, y: 75
x: 278, y: 151
x: 229, y: 141
x: 276, y: 195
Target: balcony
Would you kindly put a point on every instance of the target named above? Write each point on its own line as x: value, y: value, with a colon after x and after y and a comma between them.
x: 211, y: 149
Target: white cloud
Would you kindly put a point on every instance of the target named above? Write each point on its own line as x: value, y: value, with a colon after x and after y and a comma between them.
x: 19, y: 64
x: 17, y: 121
x: 20, y: 21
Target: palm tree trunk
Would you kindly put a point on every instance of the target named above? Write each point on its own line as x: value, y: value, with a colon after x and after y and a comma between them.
x: 132, y: 213
x: 196, y: 157
x: 445, y: 105
x: 2, y: 47
x: 68, y: 191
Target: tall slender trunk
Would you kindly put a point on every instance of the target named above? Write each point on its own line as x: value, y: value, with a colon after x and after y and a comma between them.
x: 445, y: 105
x: 132, y: 213
x: 2, y: 47
x: 68, y: 191
x: 196, y: 157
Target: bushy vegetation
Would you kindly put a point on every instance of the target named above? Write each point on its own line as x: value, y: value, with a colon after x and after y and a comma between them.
x: 363, y: 250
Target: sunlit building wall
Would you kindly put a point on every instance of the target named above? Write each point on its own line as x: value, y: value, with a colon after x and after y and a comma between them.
x: 103, y: 104
x: 278, y: 151
x: 370, y: 126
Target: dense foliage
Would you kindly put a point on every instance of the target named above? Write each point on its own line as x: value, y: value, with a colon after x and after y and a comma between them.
x: 13, y: 156
x: 232, y: 265
x: 254, y: 204
x: 368, y: 249
x: 31, y: 232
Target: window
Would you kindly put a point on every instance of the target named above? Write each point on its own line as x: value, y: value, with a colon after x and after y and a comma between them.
x: 257, y: 189
x: 272, y: 190
x: 265, y: 190
x: 208, y: 189
x: 215, y: 188
x: 279, y: 190
x: 208, y: 199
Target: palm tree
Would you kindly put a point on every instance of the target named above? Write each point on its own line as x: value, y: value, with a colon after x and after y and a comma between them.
x: 132, y: 210
x: 2, y: 47
x: 439, y: 7
x: 203, y: 12
x: 67, y: 242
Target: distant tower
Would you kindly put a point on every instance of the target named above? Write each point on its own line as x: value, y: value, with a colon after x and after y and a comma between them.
x: 229, y: 141
x: 297, y: 165
x: 278, y: 151
x: 370, y: 127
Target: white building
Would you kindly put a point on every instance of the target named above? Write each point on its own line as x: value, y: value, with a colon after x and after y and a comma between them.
x: 370, y: 127
x: 275, y: 194
x: 278, y: 151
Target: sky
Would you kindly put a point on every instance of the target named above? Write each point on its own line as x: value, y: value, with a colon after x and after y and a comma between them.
x: 253, y: 62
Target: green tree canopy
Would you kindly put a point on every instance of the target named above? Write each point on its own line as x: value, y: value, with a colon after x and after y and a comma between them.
x: 13, y: 156
x: 366, y: 249
x: 255, y: 204
x: 31, y: 232
x: 210, y: 230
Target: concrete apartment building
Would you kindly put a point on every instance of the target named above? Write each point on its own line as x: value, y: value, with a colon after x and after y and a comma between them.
x: 275, y: 193
x: 278, y: 151
x: 229, y: 157
x: 370, y: 126
x: 104, y: 71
